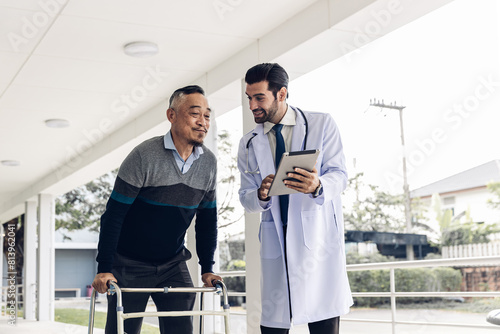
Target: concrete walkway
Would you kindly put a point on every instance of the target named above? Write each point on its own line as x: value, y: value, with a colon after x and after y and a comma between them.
x: 238, y: 325
x: 43, y: 327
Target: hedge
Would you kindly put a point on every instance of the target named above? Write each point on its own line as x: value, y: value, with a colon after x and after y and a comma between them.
x: 407, y: 280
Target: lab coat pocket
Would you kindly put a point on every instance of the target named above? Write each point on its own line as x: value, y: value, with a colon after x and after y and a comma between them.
x: 269, y: 241
x: 313, y: 228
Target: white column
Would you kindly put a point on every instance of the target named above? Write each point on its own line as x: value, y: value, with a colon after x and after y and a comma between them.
x: 46, y: 258
x: 30, y: 225
x: 252, y: 245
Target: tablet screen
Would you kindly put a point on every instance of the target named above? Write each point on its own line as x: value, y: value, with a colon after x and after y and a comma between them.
x: 290, y: 160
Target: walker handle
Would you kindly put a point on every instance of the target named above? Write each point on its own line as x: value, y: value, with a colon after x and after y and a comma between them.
x: 111, y: 288
x: 217, y: 283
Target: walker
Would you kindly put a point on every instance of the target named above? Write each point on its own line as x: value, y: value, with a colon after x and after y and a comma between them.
x: 220, y: 288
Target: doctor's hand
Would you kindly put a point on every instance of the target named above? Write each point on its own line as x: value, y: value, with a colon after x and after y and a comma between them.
x: 306, y: 182
x: 264, y: 187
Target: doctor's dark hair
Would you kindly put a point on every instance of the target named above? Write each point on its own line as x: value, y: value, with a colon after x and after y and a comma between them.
x: 273, y: 73
x: 179, y: 93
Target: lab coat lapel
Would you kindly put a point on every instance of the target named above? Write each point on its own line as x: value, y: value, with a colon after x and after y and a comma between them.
x: 263, y: 152
x: 266, y: 164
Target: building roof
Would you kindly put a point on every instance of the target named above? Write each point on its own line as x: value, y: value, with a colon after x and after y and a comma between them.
x: 72, y: 66
x: 475, y: 177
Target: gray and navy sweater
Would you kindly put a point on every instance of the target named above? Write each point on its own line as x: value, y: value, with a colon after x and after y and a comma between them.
x: 153, y: 204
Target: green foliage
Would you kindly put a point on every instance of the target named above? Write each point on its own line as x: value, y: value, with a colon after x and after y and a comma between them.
x: 235, y: 283
x: 494, y: 188
x: 82, y: 207
x: 443, y: 217
x: 356, y: 258
x: 407, y: 280
x: 419, y: 218
x: 461, y: 230
x: 227, y: 180
x: 468, y: 233
x: 373, y: 209
x: 236, y: 265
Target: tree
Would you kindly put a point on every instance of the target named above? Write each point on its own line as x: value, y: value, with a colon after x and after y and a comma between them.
x: 461, y: 229
x: 82, y: 207
x: 494, y: 188
x: 467, y: 232
x: 13, y: 243
x: 13, y: 250
x: 420, y: 222
x: 376, y: 210
x: 443, y: 216
x: 372, y: 209
x: 228, y: 182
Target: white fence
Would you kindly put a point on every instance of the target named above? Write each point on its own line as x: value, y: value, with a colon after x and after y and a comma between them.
x: 457, y: 262
x: 393, y: 294
x: 472, y: 250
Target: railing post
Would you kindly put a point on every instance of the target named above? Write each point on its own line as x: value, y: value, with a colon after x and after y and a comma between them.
x: 393, y: 299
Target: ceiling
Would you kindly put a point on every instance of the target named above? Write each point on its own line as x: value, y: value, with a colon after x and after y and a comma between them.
x: 64, y: 59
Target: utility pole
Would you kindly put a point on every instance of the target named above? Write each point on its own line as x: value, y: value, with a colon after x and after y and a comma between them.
x: 406, y: 189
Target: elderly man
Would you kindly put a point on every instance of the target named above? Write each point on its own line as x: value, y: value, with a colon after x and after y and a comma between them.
x: 162, y: 184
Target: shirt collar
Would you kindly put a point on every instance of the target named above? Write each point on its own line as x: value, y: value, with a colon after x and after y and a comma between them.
x: 169, y: 145
x: 288, y: 119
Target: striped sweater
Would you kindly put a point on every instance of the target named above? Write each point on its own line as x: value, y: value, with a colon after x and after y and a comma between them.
x: 153, y: 204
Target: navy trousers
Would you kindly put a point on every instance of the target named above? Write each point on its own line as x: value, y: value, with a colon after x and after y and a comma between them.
x: 136, y: 274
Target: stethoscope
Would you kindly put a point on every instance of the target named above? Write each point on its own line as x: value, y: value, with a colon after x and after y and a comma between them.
x: 256, y: 171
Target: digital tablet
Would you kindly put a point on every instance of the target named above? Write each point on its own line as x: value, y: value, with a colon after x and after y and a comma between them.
x: 290, y: 160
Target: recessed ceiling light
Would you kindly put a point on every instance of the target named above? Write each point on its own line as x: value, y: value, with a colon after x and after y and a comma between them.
x: 10, y: 163
x: 141, y: 49
x: 57, y: 123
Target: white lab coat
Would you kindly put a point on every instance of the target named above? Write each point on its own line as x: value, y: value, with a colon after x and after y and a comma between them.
x: 319, y: 288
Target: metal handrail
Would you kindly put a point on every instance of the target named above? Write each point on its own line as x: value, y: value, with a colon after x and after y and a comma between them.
x: 455, y: 262
x: 235, y: 273
x: 393, y: 294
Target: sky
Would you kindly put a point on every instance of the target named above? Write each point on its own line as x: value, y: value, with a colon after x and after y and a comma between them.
x: 444, y: 68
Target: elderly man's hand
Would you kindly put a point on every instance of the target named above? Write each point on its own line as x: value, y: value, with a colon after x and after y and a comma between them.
x: 208, y: 278
x: 100, y: 282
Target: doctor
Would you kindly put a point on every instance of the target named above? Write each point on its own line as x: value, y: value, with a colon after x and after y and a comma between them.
x: 302, y: 252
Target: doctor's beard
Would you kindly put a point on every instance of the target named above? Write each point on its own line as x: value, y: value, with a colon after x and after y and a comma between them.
x: 268, y: 114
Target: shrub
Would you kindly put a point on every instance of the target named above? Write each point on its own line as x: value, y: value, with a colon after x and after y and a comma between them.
x: 407, y: 280
x: 235, y: 284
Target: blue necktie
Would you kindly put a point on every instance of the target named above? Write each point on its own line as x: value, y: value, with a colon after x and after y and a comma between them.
x: 280, y: 149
